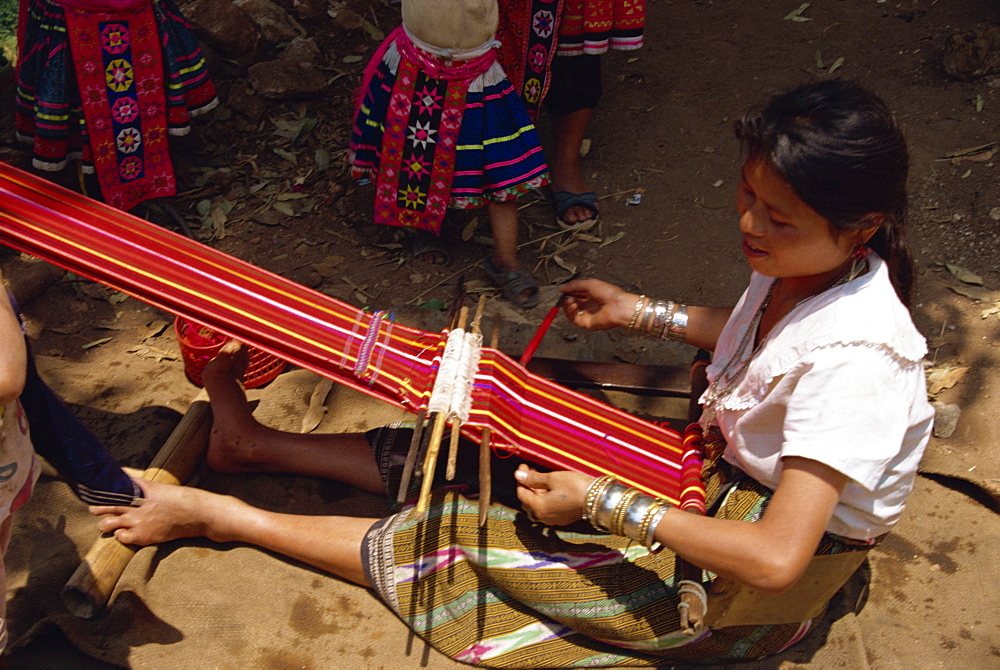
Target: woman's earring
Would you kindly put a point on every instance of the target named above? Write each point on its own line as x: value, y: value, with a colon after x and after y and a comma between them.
x: 859, y: 262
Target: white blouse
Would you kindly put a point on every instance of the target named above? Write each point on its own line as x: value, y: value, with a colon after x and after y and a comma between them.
x: 838, y: 380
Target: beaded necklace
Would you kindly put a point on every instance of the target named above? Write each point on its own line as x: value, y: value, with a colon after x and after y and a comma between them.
x: 714, y: 394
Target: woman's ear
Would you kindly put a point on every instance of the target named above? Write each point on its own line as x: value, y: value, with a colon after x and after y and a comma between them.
x: 867, y: 227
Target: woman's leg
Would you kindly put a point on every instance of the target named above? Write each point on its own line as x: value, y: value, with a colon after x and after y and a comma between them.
x: 330, y: 543
x: 239, y: 443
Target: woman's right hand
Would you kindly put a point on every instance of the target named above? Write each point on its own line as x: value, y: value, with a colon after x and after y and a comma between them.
x: 597, y: 305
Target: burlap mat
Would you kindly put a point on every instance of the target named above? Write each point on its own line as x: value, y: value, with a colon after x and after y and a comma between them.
x: 195, y: 604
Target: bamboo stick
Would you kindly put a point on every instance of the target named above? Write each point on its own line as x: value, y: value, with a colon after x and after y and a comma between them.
x: 455, y: 431
x: 485, y: 473
x: 430, y: 460
x: 411, y: 456
x: 88, y: 590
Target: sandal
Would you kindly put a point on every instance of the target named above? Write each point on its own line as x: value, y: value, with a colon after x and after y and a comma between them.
x: 565, y: 200
x: 513, y: 284
x: 423, y: 243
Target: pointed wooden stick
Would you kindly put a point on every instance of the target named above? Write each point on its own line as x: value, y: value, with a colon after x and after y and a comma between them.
x: 430, y: 460
x: 411, y: 455
x: 485, y: 474
x: 455, y: 429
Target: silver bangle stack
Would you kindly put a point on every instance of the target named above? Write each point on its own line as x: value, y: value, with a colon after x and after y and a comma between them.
x: 664, y: 319
x: 613, y: 507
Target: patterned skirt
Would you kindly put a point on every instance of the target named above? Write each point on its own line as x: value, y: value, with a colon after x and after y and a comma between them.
x: 516, y: 594
x: 498, y: 154
x: 144, y: 77
x: 594, y: 26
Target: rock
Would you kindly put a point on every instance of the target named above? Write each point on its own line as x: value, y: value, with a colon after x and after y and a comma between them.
x: 945, y: 419
x: 225, y: 27
x: 303, y: 50
x: 308, y: 10
x: 286, y: 80
x: 348, y: 19
x: 244, y: 101
x: 971, y: 55
x: 275, y: 24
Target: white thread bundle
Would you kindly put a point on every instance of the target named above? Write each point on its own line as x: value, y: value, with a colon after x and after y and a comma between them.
x: 444, y: 384
x: 461, y: 396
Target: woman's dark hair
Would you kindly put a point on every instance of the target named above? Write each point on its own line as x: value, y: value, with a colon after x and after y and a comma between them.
x: 841, y: 150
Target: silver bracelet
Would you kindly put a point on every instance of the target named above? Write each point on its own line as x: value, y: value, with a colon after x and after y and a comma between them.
x: 636, y: 514
x: 668, y: 317
x: 621, y: 509
x: 660, y: 319
x: 648, y: 314
x: 678, y: 324
x: 594, y: 493
x: 647, y: 533
x: 604, y: 509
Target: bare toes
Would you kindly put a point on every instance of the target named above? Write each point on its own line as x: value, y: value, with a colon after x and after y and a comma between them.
x: 230, y: 363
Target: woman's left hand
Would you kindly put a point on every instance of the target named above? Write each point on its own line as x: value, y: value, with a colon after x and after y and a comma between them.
x: 552, y: 498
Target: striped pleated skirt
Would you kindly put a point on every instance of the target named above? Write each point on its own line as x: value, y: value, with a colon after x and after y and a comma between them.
x: 517, y: 594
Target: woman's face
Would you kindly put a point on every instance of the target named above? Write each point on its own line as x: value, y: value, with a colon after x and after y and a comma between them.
x: 782, y: 235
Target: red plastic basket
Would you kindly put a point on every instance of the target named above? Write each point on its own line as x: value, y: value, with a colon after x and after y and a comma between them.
x: 200, y: 344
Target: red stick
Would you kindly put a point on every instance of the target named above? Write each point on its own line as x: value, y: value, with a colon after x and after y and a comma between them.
x: 543, y: 328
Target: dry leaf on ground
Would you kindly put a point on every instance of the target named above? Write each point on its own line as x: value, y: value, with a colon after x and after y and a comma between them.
x: 317, y: 406
x: 963, y: 275
x: 939, y: 379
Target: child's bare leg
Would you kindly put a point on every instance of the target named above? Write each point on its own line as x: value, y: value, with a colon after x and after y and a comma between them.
x: 169, y: 512
x: 568, y: 131
x: 238, y: 443
x: 503, y: 226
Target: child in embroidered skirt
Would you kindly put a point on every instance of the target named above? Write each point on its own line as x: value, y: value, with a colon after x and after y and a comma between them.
x: 32, y: 416
x: 142, y: 75
x: 438, y: 125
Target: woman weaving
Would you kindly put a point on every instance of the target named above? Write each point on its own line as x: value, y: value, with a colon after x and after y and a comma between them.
x: 816, y: 404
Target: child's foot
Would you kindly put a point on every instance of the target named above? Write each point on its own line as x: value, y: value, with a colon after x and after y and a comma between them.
x: 515, y: 281
x: 574, y: 201
x: 234, y: 444
x: 574, y: 209
x: 427, y: 247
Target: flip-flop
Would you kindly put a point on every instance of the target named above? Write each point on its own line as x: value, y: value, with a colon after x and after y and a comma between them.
x: 566, y: 200
x: 513, y: 284
x: 422, y: 242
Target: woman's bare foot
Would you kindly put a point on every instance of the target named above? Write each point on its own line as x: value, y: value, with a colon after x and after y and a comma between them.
x: 167, y: 513
x: 238, y: 443
x: 235, y: 441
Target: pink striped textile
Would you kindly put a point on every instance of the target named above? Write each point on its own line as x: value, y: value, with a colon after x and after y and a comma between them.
x: 528, y: 415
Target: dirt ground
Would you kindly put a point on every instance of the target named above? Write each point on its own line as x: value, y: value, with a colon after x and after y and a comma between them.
x: 663, y: 131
